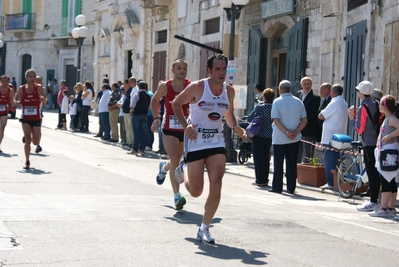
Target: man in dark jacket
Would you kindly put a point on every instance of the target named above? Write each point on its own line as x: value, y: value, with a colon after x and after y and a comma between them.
x: 311, y: 103
x: 324, y: 92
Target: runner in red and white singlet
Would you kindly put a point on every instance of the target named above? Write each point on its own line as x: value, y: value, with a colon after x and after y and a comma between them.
x: 172, y: 131
x: 6, y: 97
x: 30, y: 96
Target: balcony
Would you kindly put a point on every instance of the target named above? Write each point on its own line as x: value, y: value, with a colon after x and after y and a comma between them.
x: 20, y: 22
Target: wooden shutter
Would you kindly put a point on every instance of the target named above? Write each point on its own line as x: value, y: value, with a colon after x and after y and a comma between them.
x: 64, y: 18
x: 159, y: 69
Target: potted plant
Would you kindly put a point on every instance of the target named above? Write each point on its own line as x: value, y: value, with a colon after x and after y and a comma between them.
x: 311, y: 173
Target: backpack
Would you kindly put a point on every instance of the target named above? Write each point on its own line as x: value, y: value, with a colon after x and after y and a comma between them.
x: 377, y: 119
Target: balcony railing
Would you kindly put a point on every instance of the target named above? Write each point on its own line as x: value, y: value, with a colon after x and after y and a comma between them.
x: 20, y: 21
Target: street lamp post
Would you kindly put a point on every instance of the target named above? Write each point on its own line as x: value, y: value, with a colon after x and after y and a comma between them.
x: 233, y: 11
x: 79, y: 33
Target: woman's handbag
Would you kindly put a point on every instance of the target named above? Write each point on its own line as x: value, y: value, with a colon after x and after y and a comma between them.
x: 254, y: 126
x: 388, y: 160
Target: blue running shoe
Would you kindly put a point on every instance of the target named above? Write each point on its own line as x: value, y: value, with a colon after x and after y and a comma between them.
x: 161, y: 175
x: 180, y: 201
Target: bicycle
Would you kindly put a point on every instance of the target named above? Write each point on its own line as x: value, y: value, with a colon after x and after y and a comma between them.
x: 350, y: 169
x: 245, y: 148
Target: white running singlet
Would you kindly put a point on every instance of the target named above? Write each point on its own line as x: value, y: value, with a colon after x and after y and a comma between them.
x: 207, y: 114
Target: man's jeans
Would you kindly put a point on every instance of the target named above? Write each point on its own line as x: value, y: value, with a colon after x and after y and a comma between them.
x: 140, y: 132
x: 49, y: 101
x: 330, y: 162
x: 105, y: 120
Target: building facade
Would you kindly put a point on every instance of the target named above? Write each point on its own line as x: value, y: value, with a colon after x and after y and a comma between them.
x: 344, y: 41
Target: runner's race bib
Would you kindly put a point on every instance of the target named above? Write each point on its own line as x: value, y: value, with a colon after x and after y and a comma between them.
x: 207, y: 136
x: 30, y: 111
x: 2, y: 107
x: 174, y: 122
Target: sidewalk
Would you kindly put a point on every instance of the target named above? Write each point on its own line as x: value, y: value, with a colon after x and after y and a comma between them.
x: 246, y: 170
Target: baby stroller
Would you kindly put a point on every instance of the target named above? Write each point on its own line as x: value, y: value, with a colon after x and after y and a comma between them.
x: 245, y: 148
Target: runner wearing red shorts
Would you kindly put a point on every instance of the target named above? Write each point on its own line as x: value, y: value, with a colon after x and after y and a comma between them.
x: 30, y: 96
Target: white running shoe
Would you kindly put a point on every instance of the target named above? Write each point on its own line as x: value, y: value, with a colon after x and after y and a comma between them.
x: 367, y: 206
x: 379, y: 212
x: 179, y: 172
x: 205, y: 236
x: 161, y: 175
x: 392, y: 213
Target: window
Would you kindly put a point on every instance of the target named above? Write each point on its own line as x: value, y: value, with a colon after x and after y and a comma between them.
x: 212, y: 26
x: 70, y: 9
x: 162, y: 37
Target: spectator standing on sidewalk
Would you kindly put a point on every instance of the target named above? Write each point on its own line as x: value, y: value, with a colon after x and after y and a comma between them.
x: 262, y: 142
x: 127, y: 116
x: 324, y: 91
x: 366, y: 127
x: 140, y: 104
x: 103, y: 111
x: 49, y: 93
x: 87, y: 95
x: 64, y: 109
x: 387, y: 140
x: 289, y: 119
x: 121, y: 120
x: 114, y: 112
x: 56, y: 91
x: 335, y: 122
x: 311, y: 102
x: 59, y: 101
x: 72, y: 113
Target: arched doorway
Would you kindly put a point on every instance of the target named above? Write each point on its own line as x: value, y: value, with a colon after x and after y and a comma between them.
x: 26, y: 64
x: 278, y: 58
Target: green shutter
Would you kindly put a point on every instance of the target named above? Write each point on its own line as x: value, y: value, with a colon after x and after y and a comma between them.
x: 27, y: 6
x: 27, y: 9
x: 64, y: 19
x: 78, y: 7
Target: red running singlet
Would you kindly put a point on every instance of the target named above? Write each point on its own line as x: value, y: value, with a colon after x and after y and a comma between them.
x: 170, y: 121
x: 4, y: 101
x: 30, y: 104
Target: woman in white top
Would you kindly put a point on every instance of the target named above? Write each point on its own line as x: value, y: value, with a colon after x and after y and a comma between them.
x: 87, y: 96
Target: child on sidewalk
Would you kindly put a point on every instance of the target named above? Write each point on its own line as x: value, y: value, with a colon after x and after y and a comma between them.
x: 387, y: 139
x: 72, y: 113
x: 64, y: 109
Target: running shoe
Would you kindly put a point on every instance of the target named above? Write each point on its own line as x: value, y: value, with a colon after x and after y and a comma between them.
x: 38, y: 149
x: 180, y: 202
x: 367, y: 206
x: 1, y: 151
x: 132, y: 152
x: 379, y: 212
x: 161, y: 175
x: 391, y: 213
x: 205, y: 236
x: 179, y: 172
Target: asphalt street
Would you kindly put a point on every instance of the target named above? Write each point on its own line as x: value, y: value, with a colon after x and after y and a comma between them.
x: 87, y: 203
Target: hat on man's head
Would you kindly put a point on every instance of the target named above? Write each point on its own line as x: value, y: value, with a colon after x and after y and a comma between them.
x: 365, y: 87
x: 377, y: 94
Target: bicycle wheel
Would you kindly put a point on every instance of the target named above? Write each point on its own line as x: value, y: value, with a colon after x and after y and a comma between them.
x: 346, y: 175
x: 242, y: 156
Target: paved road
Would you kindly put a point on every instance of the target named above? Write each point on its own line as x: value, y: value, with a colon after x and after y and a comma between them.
x: 85, y: 203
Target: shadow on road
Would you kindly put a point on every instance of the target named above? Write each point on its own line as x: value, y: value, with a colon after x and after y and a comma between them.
x: 34, y: 171
x: 230, y: 253
x: 6, y: 155
x: 187, y: 217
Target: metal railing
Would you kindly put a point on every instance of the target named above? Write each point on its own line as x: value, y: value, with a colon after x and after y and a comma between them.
x: 20, y: 21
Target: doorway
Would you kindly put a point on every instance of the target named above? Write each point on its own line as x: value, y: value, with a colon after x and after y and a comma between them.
x: 278, y: 58
x: 26, y: 64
